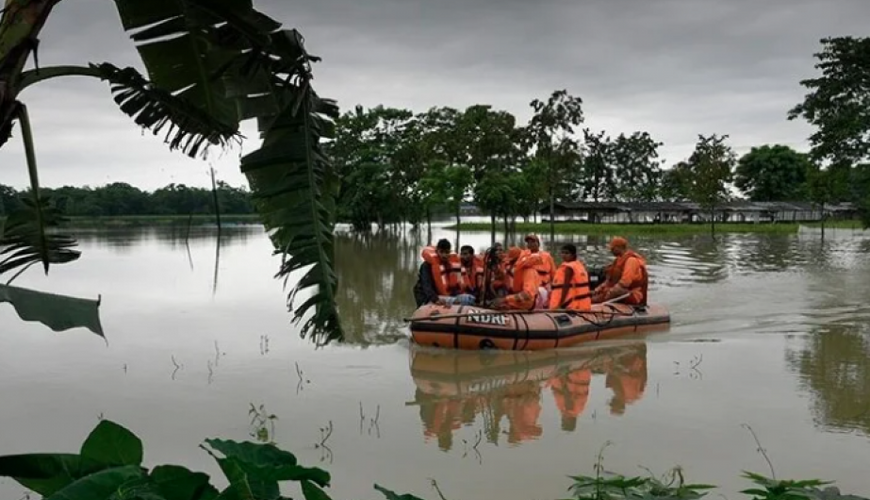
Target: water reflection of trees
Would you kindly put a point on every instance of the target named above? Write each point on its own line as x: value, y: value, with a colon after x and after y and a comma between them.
x: 174, y: 236
x: 376, y: 276
x: 454, y: 388
x: 834, y: 366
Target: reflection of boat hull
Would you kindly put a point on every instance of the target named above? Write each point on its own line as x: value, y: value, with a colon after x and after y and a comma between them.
x: 450, y: 374
x: 479, y: 328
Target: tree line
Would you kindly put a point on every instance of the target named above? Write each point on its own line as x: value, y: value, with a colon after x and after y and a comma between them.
x: 119, y: 199
x: 399, y: 166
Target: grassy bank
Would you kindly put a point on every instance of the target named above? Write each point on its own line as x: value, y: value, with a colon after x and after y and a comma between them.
x: 608, y: 229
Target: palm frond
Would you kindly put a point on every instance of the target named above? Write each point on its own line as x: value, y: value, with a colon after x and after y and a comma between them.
x: 294, y: 191
x: 26, y: 242
x: 236, y: 63
x: 153, y: 108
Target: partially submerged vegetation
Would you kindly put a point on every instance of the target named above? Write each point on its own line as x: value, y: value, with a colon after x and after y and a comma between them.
x: 109, y: 467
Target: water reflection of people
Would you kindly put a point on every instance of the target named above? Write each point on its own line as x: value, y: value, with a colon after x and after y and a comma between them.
x: 455, y: 387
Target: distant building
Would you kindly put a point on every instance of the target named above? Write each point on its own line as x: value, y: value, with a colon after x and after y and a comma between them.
x: 667, y: 212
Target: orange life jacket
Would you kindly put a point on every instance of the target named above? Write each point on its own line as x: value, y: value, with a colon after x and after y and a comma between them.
x: 535, y: 262
x: 548, y: 269
x: 578, y: 296
x: 615, y: 270
x: 446, y: 277
x: 472, y: 277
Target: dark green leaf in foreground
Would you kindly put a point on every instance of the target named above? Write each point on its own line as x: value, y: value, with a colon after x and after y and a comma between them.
x: 46, y: 473
x: 313, y: 492
x: 102, y: 485
x: 112, y: 444
x: 58, y: 312
x: 391, y: 495
x: 267, y: 462
x: 178, y: 483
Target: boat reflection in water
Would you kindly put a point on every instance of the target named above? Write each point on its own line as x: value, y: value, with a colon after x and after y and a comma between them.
x: 455, y: 387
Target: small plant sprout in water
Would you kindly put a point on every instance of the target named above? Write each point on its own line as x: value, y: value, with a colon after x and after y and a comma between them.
x: 302, y: 379
x: 263, y: 424
x: 325, y: 434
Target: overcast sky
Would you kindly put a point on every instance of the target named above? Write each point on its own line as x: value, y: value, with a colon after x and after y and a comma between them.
x: 675, y: 68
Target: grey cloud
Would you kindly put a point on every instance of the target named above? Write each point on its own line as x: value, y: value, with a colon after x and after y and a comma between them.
x: 676, y: 68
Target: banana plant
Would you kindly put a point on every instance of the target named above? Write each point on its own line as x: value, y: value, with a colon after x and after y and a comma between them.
x: 211, y: 64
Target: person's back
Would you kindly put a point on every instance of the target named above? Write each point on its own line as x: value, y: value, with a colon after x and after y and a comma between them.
x: 425, y: 291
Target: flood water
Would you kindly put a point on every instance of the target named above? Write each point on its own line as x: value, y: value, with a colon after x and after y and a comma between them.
x: 771, y: 331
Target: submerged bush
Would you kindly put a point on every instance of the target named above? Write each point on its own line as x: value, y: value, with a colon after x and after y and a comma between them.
x: 109, y: 467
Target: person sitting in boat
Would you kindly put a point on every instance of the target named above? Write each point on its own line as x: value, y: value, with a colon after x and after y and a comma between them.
x: 570, y: 289
x: 627, y: 275
x: 471, y: 270
x: 493, y: 276
x: 503, y: 279
x: 533, y: 246
x: 439, y: 279
x: 527, y: 291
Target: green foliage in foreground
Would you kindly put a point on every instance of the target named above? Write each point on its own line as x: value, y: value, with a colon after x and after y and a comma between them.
x: 109, y: 467
x: 653, y: 229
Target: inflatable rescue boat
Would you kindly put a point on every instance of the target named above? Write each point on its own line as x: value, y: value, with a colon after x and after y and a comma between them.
x: 470, y: 327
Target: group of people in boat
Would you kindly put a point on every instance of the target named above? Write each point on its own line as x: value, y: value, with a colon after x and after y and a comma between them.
x: 527, y: 278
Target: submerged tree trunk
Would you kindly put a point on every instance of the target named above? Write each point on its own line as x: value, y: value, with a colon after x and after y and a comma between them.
x: 552, y: 214
x: 429, y: 225
x: 458, y: 216
x: 823, y: 222
x: 492, y: 229
x: 713, y: 221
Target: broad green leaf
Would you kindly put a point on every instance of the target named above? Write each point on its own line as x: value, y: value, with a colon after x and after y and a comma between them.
x: 112, y: 444
x: 244, y: 486
x: 262, y: 455
x: 178, y: 483
x: 267, y: 462
x: 313, y: 492
x: 99, y: 485
x: 57, y: 312
x: 391, y: 495
x: 46, y: 473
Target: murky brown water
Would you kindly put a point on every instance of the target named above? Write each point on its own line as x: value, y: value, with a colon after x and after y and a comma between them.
x: 770, y: 331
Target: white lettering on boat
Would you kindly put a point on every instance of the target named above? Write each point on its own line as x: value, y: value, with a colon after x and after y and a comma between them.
x: 487, y: 319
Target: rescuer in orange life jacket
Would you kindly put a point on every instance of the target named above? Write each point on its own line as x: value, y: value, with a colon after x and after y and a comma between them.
x: 533, y: 246
x: 570, y: 289
x: 440, y: 281
x: 626, y: 275
x: 472, y: 271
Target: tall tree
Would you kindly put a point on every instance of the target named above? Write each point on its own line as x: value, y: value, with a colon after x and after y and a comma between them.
x: 549, y: 132
x: 637, y: 167
x: 211, y: 65
x: 712, y: 169
x: 838, y: 102
x: 838, y: 106
x: 772, y: 173
x: 597, y: 181
x: 676, y: 183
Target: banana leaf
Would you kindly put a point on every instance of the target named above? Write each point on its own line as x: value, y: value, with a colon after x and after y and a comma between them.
x: 235, y: 63
x: 57, y: 312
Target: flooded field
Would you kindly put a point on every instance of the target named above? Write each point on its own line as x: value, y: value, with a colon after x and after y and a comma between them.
x: 772, y: 331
